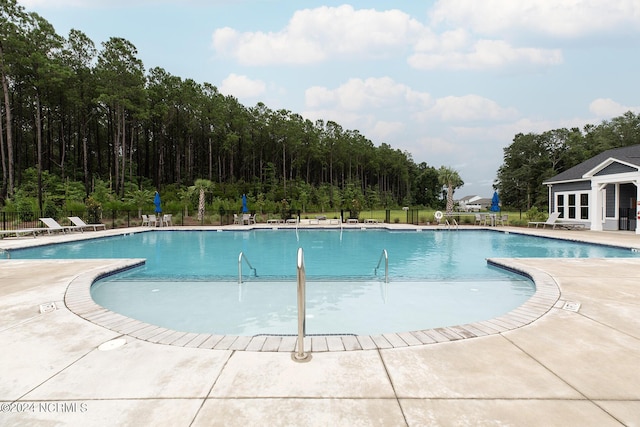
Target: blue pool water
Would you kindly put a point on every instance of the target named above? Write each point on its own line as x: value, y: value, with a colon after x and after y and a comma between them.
x: 437, y: 278
x: 333, y: 254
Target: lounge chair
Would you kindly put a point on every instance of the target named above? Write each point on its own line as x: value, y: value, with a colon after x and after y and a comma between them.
x: 80, y: 223
x: 550, y: 221
x: 19, y: 232
x: 52, y: 225
x: 569, y: 225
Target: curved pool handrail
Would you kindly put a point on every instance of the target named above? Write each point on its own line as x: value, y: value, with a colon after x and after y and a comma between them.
x: 240, y: 258
x: 384, y: 255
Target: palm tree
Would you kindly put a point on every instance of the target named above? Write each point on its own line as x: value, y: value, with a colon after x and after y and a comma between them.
x: 185, y: 198
x: 202, y: 186
x: 449, y: 178
x: 140, y: 198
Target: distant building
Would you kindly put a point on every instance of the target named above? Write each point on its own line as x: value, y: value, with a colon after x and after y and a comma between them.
x: 602, y: 192
x: 474, y: 203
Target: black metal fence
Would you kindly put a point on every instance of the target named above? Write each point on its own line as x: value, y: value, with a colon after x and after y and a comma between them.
x: 30, y: 219
x: 12, y: 220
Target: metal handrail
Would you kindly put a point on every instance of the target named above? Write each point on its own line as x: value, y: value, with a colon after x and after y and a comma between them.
x: 300, y: 355
x: 240, y: 258
x: 386, y: 265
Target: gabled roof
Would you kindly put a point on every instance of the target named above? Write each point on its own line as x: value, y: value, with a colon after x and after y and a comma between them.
x: 625, y: 155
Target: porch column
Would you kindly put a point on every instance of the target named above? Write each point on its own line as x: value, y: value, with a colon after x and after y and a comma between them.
x: 596, y: 206
x: 637, y: 183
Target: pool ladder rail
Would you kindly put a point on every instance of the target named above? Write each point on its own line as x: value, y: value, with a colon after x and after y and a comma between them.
x: 451, y: 225
x: 384, y: 255
x: 300, y: 355
x: 241, y: 257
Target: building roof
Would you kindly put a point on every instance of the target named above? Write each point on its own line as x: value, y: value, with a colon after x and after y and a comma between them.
x: 629, y: 155
x: 470, y: 199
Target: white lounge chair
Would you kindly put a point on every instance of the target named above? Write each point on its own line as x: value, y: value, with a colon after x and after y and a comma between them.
x: 52, y: 225
x: 550, y: 221
x: 569, y: 225
x: 20, y: 231
x: 80, y: 223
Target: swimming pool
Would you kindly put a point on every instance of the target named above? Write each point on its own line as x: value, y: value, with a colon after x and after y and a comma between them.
x: 438, y: 278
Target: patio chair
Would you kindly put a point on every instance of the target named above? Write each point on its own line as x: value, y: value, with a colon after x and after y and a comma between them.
x: 236, y: 219
x: 550, y: 221
x: 153, y: 221
x: 502, y: 220
x: 52, y: 225
x: 167, y: 220
x: 145, y: 220
x: 80, y: 223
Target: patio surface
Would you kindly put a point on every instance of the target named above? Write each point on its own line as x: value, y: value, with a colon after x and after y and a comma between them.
x: 567, y: 368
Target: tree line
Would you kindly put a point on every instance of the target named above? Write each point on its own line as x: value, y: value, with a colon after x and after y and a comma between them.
x: 93, y: 116
x: 533, y: 158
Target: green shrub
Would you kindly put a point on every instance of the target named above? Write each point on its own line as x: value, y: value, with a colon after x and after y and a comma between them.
x: 94, y: 210
x: 534, y: 214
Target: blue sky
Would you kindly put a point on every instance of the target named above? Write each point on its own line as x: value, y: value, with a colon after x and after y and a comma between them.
x: 450, y: 81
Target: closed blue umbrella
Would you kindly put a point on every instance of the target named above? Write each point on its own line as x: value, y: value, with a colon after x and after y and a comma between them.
x: 156, y: 201
x: 495, y: 202
x: 245, y: 209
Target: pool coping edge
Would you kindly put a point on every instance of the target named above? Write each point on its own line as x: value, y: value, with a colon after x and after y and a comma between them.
x: 78, y: 300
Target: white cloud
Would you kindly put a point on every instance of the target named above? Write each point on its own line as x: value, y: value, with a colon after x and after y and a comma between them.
x: 327, y: 33
x: 382, y: 130
x: 467, y: 108
x: 379, y: 107
x: 242, y: 87
x: 484, y: 54
x: 608, y: 108
x: 438, y: 145
x: 557, y: 18
x: 313, y: 35
x: 370, y: 93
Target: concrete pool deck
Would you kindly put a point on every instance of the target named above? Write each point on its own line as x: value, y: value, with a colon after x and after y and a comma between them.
x: 565, y: 368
